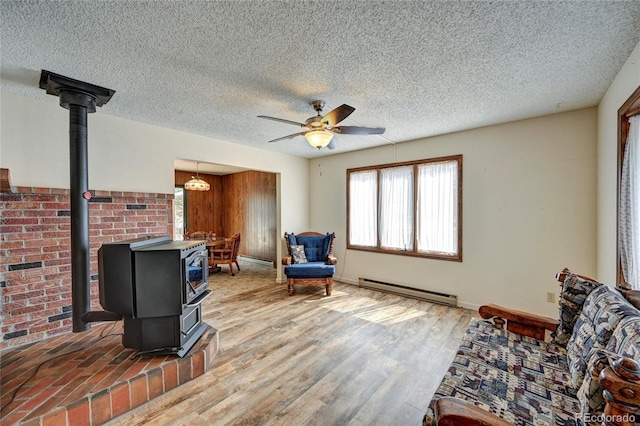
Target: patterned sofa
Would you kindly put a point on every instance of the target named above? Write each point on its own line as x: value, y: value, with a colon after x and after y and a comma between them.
x: 513, y: 376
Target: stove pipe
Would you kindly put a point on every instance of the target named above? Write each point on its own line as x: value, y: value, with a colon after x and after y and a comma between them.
x: 79, y: 98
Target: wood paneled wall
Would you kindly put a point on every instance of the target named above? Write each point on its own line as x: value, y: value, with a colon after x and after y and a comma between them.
x: 203, y: 208
x: 242, y: 203
x: 250, y: 209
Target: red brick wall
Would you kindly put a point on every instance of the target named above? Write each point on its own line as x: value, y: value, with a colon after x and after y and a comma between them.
x: 35, y: 244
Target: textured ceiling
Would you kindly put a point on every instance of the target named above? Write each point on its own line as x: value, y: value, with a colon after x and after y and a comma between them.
x: 417, y: 68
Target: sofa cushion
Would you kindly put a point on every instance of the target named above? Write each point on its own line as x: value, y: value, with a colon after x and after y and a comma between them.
x: 574, y: 292
x: 309, y: 270
x: 536, y: 361
x: 603, y: 310
x: 625, y: 341
x: 515, y: 400
x: 298, y: 254
x: 590, y: 392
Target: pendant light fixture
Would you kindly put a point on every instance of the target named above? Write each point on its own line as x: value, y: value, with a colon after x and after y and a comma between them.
x: 196, y: 184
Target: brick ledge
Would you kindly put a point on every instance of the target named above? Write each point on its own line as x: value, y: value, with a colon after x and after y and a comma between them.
x: 97, y: 383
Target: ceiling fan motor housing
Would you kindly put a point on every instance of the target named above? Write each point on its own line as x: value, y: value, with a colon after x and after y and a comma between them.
x: 317, y: 105
x: 313, y: 122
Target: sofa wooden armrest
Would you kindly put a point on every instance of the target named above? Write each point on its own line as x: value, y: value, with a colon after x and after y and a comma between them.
x: 519, y: 322
x: 561, y: 276
x: 633, y: 296
x: 451, y: 411
x: 287, y: 260
x: 621, y: 382
x: 331, y: 259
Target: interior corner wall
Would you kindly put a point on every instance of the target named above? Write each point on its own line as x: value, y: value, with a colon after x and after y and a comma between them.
x: 131, y: 156
x: 627, y: 80
x: 529, y: 209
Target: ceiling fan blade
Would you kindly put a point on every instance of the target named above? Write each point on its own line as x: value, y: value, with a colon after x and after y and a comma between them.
x: 287, y: 137
x: 337, y: 115
x: 355, y: 130
x: 282, y: 120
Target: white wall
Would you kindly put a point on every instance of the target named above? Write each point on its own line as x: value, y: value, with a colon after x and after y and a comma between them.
x: 125, y: 155
x: 627, y: 80
x: 529, y: 209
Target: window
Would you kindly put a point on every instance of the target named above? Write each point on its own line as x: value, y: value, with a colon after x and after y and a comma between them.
x: 179, y: 209
x: 412, y: 208
x: 629, y: 192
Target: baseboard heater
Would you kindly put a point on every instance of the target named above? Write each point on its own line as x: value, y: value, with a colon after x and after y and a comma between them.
x: 429, y: 296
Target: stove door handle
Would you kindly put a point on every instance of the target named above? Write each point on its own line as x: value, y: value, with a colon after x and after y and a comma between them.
x: 199, y: 299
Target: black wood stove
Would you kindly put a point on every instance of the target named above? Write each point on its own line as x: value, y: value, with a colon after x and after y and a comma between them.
x: 157, y: 285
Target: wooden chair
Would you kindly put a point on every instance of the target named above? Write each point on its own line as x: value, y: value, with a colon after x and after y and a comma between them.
x: 223, y: 255
x: 235, y: 250
x: 318, y: 265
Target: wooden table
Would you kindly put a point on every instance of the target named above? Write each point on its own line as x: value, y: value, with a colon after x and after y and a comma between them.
x: 215, y: 242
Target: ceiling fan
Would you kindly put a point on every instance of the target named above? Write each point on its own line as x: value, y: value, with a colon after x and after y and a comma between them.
x: 319, y: 130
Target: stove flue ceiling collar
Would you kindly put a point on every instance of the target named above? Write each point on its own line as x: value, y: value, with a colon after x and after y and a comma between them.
x: 74, y: 92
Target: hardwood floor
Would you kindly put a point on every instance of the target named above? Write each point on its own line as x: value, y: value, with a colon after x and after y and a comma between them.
x: 359, y: 357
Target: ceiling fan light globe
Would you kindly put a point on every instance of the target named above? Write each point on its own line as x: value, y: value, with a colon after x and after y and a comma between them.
x: 318, y: 138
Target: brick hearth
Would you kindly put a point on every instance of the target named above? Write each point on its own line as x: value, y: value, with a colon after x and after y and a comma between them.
x: 89, y: 378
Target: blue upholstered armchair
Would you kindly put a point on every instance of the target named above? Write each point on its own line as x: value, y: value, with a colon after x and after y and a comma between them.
x: 310, y: 260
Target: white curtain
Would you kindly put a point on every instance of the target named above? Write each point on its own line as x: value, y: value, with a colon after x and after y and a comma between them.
x: 629, y: 220
x: 396, y: 207
x: 438, y: 207
x: 363, y: 212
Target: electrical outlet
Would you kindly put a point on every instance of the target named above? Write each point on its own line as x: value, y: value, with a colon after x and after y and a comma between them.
x: 551, y: 297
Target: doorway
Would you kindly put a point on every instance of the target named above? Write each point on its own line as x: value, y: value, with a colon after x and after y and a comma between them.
x: 239, y: 201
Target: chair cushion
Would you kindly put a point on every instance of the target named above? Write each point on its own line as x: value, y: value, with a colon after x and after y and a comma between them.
x: 292, y: 239
x: 574, y: 292
x: 298, y: 254
x: 309, y: 270
x: 603, y: 310
x: 316, y: 247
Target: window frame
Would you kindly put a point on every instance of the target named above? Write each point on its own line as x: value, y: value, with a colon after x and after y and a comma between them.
x: 185, y: 210
x: 628, y: 109
x: 457, y: 257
